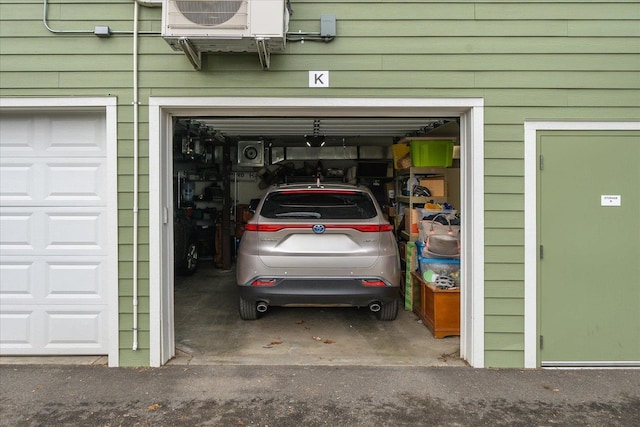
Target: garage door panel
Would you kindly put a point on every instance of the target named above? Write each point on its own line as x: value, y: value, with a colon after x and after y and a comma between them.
x: 17, y: 182
x: 70, y: 182
x: 71, y: 329
x: 18, y: 230
x: 16, y: 329
x: 17, y: 278
x: 53, y: 231
x: 53, y: 280
x: 58, y: 182
x: 71, y: 282
x: 68, y: 134
x: 80, y: 134
x: 74, y: 231
x: 53, y: 330
x: 17, y: 134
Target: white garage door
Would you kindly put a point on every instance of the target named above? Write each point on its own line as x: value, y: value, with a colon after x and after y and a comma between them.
x: 53, y: 233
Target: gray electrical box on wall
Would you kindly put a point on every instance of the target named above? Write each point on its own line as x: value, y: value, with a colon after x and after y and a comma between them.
x: 328, y: 25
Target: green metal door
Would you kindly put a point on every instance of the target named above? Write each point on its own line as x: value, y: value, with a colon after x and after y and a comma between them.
x: 589, y: 232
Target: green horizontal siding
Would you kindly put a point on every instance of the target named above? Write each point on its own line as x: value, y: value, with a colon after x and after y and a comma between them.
x: 504, y: 341
x: 558, y: 10
x: 126, y: 181
x: 543, y: 60
x: 126, y: 307
x: 125, y: 268
x: 503, y: 358
x: 129, y: 357
x: 435, y: 62
x: 503, y: 271
x: 125, y: 199
x: 503, y: 201
x: 503, y: 288
x: 389, y: 45
x: 504, y: 184
x: 502, y: 323
x: 126, y: 252
x: 503, y: 237
x: 504, y: 219
x: 125, y: 288
x: 503, y: 150
x: 125, y: 235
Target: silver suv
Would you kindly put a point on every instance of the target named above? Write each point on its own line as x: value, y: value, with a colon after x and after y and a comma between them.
x: 318, y: 245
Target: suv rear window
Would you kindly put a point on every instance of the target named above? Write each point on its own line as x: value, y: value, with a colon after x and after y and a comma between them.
x: 318, y: 204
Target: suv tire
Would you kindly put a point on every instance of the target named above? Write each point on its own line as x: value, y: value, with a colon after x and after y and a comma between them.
x: 248, y: 310
x: 189, y: 264
x: 389, y: 311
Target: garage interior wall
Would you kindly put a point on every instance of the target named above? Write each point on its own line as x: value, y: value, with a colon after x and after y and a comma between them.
x: 542, y: 60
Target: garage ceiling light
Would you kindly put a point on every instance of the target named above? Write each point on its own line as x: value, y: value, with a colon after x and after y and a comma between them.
x: 315, y: 140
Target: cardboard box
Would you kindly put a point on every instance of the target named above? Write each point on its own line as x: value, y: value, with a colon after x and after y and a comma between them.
x: 437, y: 185
x: 404, y: 162
x: 399, y: 152
x: 390, y: 211
x: 411, y: 218
x: 243, y: 214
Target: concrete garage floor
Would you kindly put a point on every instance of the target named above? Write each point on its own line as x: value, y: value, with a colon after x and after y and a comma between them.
x: 208, y: 330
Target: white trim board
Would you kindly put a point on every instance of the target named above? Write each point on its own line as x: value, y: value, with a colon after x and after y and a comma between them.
x: 109, y: 106
x: 471, y: 113
x: 531, y: 129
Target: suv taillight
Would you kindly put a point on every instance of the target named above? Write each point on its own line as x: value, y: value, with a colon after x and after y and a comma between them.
x: 266, y: 228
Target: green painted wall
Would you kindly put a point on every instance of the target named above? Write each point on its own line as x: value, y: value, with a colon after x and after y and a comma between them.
x: 565, y: 60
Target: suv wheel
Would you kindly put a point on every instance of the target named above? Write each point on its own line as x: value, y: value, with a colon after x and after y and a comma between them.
x: 389, y: 311
x: 248, y: 310
x: 190, y: 263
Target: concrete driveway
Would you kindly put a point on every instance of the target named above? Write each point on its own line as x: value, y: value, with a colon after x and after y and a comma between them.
x: 209, y: 330
x: 249, y: 395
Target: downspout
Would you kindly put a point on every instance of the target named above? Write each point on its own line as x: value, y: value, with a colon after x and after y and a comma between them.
x: 136, y: 126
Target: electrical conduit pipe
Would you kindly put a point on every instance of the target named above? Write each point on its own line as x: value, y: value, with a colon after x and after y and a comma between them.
x: 136, y: 128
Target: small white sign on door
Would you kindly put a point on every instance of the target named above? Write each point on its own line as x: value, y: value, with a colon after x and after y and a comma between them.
x: 610, y: 200
x: 318, y: 79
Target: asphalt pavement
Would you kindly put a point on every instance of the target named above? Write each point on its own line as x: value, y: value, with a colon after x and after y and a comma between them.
x: 253, y: 395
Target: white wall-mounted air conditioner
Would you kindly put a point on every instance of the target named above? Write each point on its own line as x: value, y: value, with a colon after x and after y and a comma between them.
x: 225, y: 25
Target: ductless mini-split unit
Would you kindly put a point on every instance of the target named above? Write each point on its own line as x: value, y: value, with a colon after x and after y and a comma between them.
x: 199, y: 26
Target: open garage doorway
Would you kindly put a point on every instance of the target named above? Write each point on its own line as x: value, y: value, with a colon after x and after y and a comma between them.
x: 163, y: 115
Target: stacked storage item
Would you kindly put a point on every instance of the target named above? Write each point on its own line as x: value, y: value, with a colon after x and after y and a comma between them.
x: 439, y: 252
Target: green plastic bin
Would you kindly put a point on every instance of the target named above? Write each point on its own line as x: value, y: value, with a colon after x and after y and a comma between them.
x: 432, y: 153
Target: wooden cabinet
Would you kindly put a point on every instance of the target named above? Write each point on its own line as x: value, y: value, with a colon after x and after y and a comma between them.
x: 439, y: 309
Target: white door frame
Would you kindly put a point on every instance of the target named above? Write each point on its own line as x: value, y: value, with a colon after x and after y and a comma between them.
x: 471, y: 113
x: 531, y: 129
x: 109, y: 106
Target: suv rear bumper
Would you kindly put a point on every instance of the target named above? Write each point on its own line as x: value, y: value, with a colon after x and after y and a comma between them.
x: 319, y: 291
